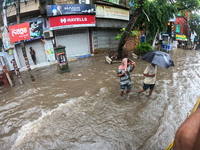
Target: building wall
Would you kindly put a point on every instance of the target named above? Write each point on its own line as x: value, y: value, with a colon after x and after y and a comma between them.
x: 183, y: 25
x: 25, y: 7
x: 121, y: 2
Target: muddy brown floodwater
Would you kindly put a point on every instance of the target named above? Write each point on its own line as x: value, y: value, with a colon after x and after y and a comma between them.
x: 82, y: 109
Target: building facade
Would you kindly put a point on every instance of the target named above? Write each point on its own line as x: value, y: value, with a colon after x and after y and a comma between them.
x: 181, y: 27
x: 85, y: 27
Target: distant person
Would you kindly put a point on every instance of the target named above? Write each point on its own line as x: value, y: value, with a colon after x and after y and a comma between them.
x: 124, y: 73
x: 188, y: 135
x: 58, y: 11
x: 32, y: 52
x: 150, y: 78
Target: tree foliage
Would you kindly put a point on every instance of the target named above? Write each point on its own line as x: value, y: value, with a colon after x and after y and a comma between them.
x: 189, y: 5
x: 142, y: 48
x: 194, y: 22
x: 154, y: 18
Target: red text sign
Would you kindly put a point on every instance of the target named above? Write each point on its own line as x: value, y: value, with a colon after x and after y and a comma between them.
x: 61, y: 22
x: 19, y: 32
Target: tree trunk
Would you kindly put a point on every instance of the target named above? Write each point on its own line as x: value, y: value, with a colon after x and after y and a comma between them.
x: 27, y: 61
x: 22, y: 42
x: 129, y: 28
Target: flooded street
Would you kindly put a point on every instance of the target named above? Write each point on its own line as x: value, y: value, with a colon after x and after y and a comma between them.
x: 82, y: 109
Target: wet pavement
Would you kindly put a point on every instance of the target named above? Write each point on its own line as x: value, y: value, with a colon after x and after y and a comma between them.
x: 82, y: 109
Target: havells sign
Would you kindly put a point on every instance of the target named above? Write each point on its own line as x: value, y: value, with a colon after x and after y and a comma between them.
x: 62, y: 22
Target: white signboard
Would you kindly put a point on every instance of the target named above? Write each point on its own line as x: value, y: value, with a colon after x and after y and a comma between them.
x: 6, y: 40
x: 111, y: 12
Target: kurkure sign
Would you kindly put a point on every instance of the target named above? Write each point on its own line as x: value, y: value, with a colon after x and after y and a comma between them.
x: 181, y: 37
x: 19, y: 32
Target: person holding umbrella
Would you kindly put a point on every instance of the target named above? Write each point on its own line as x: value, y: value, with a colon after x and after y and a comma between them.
x: 155, y: 58
x: 150, y: 78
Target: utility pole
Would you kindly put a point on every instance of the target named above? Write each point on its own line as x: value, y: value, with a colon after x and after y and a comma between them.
x: 22, y: 43
x: 8, y: 45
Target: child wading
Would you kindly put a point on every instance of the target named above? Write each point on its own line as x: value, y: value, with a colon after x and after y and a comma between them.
x: 124, y: 74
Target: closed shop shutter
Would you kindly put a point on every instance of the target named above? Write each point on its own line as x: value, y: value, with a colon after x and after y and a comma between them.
x: 103, y: 39
x: 40, y: 54
x: 76, y: 41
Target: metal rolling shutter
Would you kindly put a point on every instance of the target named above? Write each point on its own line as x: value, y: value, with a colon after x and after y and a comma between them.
x: 38, y: 46
x: 103, y: 38
x: 76, y: 41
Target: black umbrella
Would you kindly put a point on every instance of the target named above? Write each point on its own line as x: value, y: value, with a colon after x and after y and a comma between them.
x: 159, y: 58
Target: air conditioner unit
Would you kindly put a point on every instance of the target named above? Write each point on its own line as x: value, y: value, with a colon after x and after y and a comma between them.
x: 48, y: 34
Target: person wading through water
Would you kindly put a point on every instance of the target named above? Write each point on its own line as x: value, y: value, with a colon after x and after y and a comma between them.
x: 150, y: 78
x: 124, y: 73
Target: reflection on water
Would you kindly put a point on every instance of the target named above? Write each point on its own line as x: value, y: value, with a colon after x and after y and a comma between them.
x: 82, y: 109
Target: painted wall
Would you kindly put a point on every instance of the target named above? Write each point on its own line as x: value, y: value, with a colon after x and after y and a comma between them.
x: 183, y: 25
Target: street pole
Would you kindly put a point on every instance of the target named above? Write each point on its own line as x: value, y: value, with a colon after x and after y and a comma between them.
x: 8, y: 45
x: 22, y: 43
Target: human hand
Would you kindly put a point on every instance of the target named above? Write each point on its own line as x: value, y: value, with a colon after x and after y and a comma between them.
x: 133, y: 63
x: 188, y: 135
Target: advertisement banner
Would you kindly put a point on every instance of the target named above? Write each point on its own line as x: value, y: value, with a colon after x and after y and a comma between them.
x: 36, y: 29
x: 48, y: 46
x: 61, y: 22
x: 181, y: 37
x: 112, y: 12
x: 19, y: 32
x: 69, y: 9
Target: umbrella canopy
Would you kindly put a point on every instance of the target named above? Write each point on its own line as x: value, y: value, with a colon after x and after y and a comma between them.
x: 159, y: 58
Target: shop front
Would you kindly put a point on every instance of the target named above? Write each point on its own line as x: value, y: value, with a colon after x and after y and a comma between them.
x: 31, y: 32
x: 72, y: 28
x: 182, y: 41
x: 76, y: 41
x: 109, y: 20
